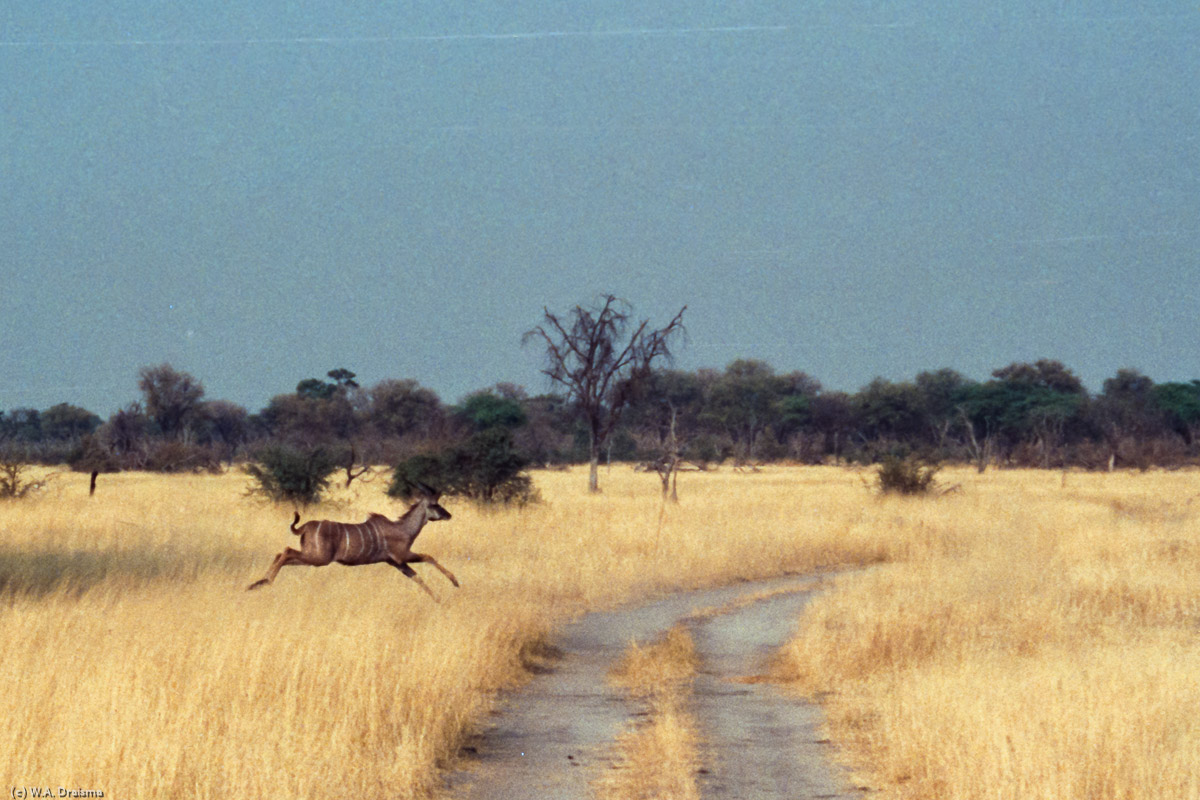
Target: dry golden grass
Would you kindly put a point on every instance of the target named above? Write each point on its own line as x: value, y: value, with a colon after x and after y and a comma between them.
x: 135, y: 663
x: 658, y: 759
x: 1037, y: 637
x: 662, y: 666
x: 1028, y: 636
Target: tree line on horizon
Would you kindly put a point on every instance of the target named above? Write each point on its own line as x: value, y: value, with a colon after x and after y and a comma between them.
x: 1026, y: 414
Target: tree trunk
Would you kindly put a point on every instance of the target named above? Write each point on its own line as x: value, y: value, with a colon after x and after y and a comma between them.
x: 979, y: 455
x: 593, y: 462
x: 673, y: 460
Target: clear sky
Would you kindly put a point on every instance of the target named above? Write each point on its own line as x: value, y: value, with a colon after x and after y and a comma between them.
x: 260, y: 192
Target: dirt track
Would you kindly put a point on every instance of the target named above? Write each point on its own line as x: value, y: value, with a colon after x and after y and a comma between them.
x: 550, y: 739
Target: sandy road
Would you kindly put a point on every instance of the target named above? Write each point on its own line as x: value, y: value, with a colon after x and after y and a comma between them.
x: 550, y: 739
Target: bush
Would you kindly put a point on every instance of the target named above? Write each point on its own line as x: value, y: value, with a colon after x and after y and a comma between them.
x: 486, y: 467
x: 13, y: 482
x: 905, y: 476
x: 420, y: 469
x: 169, y: 455
x: 296, y: 475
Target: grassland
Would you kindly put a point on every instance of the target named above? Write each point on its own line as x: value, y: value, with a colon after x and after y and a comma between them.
x: 1023, y: 637
x: 135, y: 663
x: 1037, y: 636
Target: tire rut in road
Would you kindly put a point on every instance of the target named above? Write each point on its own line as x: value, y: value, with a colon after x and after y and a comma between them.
x: 551, y: 739
x: 759, y: 743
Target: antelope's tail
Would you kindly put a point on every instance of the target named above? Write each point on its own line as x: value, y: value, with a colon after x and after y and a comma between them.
x: 294, y: 521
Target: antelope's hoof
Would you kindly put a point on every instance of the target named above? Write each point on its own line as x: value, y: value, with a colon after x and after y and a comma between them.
x: 256, y: 584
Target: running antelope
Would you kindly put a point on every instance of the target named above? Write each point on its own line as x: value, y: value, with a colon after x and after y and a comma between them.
x: 378, y: 539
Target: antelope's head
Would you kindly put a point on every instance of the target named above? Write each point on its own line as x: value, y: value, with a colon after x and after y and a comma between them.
x: 429, y: 499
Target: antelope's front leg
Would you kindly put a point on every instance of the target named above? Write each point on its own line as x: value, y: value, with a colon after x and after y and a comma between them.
x: 412, y: 573
x: 424, y: 559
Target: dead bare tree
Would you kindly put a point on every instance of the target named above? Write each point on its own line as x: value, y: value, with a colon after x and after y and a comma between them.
x: 592, y: 353
x: 981, y: 454
x: 351, y: 472
x: 667, y: 465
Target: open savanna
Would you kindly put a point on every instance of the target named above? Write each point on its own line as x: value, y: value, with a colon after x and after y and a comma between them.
x: 1035, y: 635
x: 135, y: 662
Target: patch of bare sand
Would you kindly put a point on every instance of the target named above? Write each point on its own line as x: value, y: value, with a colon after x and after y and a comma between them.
x: 550, y: 739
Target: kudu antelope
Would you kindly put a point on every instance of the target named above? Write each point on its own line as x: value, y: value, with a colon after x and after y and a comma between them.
x: 378, y: 539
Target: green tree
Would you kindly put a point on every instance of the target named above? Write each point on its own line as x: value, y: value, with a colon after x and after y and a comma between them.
x: 664, y: 419
x: 890, y: 411
x: 942, y: 393
x: 1180, y: 403
x: 223, y: 422
x: 65, y: 422
x: 548, y: 435
x: 1034, y: 404
x: 486, y: 467
x: 125, y: 435
x: 486, y: 409
x: 319, y: 412
x: 794, y: 409
x: 833, y: 417
x: 308, y: 420
x: 21, y: 425
x: 293, y: 474
x: 171, y: 398
x: 343, y: 378
x: 743, y: 402
x: 317, y: 389
x: 1127, y: 418
x: 397, y: 408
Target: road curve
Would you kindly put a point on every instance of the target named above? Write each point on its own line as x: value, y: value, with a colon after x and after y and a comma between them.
x: 551, y: 739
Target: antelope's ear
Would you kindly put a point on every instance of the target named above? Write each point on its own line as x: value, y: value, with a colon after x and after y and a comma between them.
x: 429, y: 491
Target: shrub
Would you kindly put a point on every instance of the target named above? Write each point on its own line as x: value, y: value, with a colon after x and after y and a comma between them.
x: 905, y: 476
x: 285, y: 473
x: 412, y: 472
x: 13, y: 482
x: 92, y: 455
x: 170, y: 455
x: 486, y: 467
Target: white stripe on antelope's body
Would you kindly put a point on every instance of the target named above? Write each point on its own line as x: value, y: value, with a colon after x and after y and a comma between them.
x: 377, y: 540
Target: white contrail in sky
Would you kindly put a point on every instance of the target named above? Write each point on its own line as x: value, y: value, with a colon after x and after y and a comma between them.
x: 1100, y: 237
x: 440, y: 37
x: 432, y: 37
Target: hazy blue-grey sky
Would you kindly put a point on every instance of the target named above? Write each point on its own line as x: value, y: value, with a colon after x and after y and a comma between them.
x: 260, y: 192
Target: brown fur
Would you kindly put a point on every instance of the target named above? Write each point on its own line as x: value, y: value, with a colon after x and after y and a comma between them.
x: 377, y: 539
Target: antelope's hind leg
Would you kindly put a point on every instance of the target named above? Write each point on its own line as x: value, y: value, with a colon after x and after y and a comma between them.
x: 419, y: 557
x: 288, y: 556
x: 412, y: 573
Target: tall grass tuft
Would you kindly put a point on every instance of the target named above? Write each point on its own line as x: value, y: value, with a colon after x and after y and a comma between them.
x: 658, y: 758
